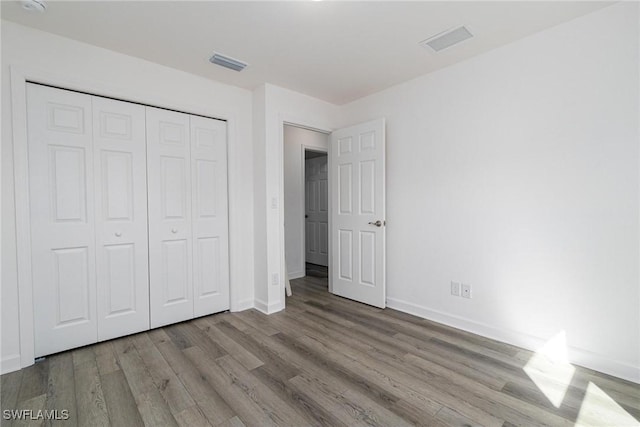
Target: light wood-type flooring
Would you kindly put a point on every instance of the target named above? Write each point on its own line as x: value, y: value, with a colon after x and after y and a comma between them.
x: 323, y: 361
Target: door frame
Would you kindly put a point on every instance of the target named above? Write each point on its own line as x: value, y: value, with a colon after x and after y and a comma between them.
x: 303, y: 123
x: 19, y: 77
x: 303, y: 188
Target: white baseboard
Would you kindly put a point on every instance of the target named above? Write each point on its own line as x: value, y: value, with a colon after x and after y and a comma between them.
x: 577, y: 356
x: 268, y: 308
x: 10, y: 363
x: 242, y: 305
x: 296, y: 275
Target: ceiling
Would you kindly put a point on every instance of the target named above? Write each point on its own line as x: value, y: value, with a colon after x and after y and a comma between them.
x: 335, y: 51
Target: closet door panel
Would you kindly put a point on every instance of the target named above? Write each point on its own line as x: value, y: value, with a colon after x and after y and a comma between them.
x: 62, y: 218
x: 210, y: 221
x: 170, y: 231
x: 120, y: 166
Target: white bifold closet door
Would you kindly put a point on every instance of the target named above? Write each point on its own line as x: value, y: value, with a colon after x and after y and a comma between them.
x: 120, y: 159
x: 188, y: 237
x: 88, y: 218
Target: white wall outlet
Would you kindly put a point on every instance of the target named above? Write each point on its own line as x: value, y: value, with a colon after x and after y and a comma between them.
x: 466, y: 291
x: 275, y: 279
x: 455, y: 289
x: 274, y: 203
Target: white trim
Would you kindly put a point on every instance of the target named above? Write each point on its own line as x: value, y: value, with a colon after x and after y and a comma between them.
x: 19, y: 78
x: 303, y: 202
x: 23, y: 227
x: 311, y: 128
x: 10, y: 363
x: 265, y: 308
x: 296, y: 275
x: 242, y: 305
x: 577, y: 356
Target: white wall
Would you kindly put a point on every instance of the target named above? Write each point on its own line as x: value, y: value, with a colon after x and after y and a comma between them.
x: 517, y: 172
x: 296, y: 140
x: 278, y: 106
x: 105, y: 72
x: 260, y: 199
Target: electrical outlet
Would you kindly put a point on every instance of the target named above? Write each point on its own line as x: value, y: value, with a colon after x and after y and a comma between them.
x: 466, y: 291
x: 275, y: 279
x: 455, y: 289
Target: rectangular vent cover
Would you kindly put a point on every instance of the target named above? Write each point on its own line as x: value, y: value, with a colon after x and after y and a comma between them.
x: 447, y: 39
x: 225, y: 61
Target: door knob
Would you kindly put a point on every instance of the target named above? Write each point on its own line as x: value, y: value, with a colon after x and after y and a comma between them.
x: 174, y: 230
x: 306, y: 216
x: 118, y: 233
x: 378, y: 223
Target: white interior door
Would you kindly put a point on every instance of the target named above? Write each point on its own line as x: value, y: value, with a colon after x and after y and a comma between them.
x: 210, y: 222
x: 62, y: 218
x: 120, y: 167
x: 170, y: 234
x: 357, y: 162
x: 316, y: 211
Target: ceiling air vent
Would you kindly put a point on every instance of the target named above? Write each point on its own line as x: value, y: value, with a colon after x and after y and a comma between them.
x: 446, y: 39
x: 225, y: 61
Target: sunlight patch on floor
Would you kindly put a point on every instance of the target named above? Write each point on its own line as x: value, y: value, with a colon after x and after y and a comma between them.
x: 599, y: 409
x: 550, y: 370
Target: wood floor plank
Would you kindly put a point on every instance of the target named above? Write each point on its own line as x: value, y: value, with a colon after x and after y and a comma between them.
x: 232, y: 422
x: 61, y: 389
x: 384, y: 395
x: 235, y: 350
x: 9, y: 389
x: 153, y: 409
x: 260, y: 349
x: 454, y: 362
x: 121, y: 404
x: 164, y: 378
x: 192, y: 417
x: 34, y: 381
x: 187, y: 335
x: 375, y: 373
x: 415, y: 415
x: 312, y: 412
x: 353, y: 408
x: 258, y: 320
x: 279, y: 411
x: 33, y: 404
x: 208, y: 399
x: 493, y: 402
x: 428, y: 349
x: 83, y: 356
x: 324, y: 395
x: 106, y: 358
x: 249, y: 412
x: 90, y: 403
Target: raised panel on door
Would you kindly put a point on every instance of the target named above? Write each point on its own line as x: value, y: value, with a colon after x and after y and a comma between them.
x: 120, y: 167
x: 209, y: 215
x: 170, y: 225
x: 62, y: 218
x: 358, y: 221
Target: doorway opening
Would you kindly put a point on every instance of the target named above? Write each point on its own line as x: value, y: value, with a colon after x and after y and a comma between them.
x: 316, y: 217
x: 306, y: 204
